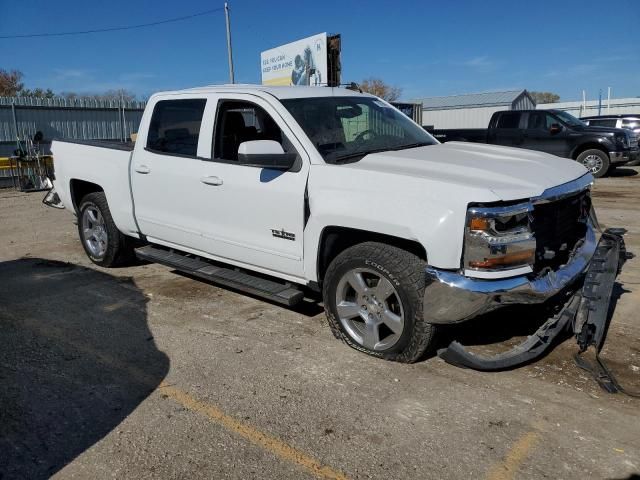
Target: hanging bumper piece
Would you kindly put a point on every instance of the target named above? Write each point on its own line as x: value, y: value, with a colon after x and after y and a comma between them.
x: 585, y: 312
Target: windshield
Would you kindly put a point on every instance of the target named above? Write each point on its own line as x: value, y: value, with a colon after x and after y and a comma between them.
x: 345, y: 129
x: 570, y: 119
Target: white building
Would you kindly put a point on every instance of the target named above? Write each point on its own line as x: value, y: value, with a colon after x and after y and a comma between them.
x: 615, y: 106
x: 471, y: 110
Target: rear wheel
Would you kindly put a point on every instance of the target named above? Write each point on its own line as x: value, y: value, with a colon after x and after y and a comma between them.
x: 596, y: 161
x: 101, y: 239
x: 373, y: 300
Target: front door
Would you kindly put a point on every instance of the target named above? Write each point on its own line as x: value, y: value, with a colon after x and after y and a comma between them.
x: 540, y: 135
x: 257, y: 215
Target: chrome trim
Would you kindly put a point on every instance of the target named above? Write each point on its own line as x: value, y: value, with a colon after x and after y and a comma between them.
x: 617, y: 157
x: 516, y: 209
x: 451, y: 297
x: 559, y: 192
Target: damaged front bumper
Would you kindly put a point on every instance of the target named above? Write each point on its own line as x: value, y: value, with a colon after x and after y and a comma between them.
x: 451, y: 297
x: 585, y: 313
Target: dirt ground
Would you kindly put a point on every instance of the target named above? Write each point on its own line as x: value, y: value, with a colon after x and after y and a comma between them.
x: 144, y: 373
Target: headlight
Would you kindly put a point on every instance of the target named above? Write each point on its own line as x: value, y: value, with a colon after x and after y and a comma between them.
x: 499, y: 238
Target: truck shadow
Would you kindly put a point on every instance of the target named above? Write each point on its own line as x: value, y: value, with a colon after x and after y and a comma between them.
x: 76, y: 358
x: 623, y: 172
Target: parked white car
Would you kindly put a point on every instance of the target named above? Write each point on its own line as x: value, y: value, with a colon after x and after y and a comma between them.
x: 280, y: 190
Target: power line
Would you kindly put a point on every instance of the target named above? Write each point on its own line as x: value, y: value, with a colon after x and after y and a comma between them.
x: 113, y: 29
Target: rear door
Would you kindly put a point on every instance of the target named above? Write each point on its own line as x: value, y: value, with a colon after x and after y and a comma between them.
x: 506, y: 130
x: 166, y: 170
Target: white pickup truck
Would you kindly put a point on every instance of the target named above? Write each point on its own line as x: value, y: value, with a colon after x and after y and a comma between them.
x: 279, y: 191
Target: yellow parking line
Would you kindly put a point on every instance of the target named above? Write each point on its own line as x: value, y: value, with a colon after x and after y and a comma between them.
x: 214, y: 414
x: 508, y: 467
x: 269, y: 443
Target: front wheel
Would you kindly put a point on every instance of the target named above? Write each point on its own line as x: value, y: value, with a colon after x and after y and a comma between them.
x: 596, y: 161
x: 373, y: 301
x: 101, y: 239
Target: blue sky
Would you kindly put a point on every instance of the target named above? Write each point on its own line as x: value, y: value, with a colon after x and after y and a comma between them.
x: 427, y: 48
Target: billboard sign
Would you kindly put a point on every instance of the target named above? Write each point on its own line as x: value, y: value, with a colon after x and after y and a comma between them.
x: 303, y: 62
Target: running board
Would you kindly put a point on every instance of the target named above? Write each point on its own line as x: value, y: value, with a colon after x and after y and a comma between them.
x: 283, y: 293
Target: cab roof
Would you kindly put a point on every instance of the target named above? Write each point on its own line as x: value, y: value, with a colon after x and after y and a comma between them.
x: 280, y: 92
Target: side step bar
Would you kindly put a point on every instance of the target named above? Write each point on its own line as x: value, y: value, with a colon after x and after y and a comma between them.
x: 283, y: 293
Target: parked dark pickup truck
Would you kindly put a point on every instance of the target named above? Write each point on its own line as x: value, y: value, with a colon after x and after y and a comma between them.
x: 600, y: 149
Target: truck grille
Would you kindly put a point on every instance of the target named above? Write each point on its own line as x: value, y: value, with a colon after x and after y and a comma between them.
x: 558, y: 226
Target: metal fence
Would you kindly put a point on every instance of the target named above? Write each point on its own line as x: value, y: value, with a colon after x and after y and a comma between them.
x: 78, y: 119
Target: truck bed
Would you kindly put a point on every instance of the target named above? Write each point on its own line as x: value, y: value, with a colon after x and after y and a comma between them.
x: 101, y: 163
x: 112, y: 144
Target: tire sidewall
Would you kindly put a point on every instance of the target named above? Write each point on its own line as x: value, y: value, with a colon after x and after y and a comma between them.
x: 606, y: 164
x: 93, y: 200
x: 407, y: 294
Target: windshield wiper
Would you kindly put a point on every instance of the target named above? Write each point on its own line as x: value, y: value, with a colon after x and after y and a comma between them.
x: 359, y: 154
x: 411, y: 145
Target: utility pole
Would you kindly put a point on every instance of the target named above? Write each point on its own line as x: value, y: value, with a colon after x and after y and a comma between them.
x: 229, y: 52
x: 599, y: 102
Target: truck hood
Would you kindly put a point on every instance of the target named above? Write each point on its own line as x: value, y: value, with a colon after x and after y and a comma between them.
x: 509, y: 173
x: 596, y: 129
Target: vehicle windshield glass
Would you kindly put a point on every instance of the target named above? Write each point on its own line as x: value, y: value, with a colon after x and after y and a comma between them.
x: 570, y: 119
x: 345, y: 129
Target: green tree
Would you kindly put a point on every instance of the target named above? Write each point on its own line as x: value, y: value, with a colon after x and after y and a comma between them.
x: 379, y: 88
x: 545, y: 97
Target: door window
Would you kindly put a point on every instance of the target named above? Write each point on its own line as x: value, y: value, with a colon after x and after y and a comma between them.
x: 239, y: 122
x: 536, y: 121
x: 175, y: 126
x: 508, y: 120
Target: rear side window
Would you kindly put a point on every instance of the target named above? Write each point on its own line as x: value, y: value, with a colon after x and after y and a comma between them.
x: 175, y: 126
x: 603, y: 123
x: 508, y: 120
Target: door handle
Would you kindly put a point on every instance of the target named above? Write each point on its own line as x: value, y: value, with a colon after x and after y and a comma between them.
x: 211, y: 181
x: 142, y: 169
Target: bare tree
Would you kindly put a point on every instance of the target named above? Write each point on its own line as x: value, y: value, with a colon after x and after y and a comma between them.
x: 379, y: 88
x: 545, y: 97
x: 10, y: 82
x: 37, y: 92
x: 118, y: 94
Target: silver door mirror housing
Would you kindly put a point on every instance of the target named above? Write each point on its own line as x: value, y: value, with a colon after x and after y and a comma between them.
x: 265, y: 154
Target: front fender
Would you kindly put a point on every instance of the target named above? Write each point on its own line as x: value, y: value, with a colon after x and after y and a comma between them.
x: 411, y: 214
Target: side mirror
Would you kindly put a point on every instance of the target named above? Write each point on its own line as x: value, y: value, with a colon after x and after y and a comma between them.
x: 265, y: 154
x: 555, y: 128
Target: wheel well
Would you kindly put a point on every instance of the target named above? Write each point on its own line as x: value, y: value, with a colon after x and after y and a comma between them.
x: 335, y: 240
x: 588, y: 146
x: 80, y: 188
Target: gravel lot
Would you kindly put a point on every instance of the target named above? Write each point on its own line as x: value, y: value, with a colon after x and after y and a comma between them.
x: 141, y: 372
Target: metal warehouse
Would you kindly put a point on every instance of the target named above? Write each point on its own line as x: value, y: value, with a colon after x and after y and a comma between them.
x: 585, y: 108
x: 472, y: 110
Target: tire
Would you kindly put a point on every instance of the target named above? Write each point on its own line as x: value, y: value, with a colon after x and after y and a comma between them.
x: 596, y: 161
x: 103, y: 243
x: 404, y: 273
